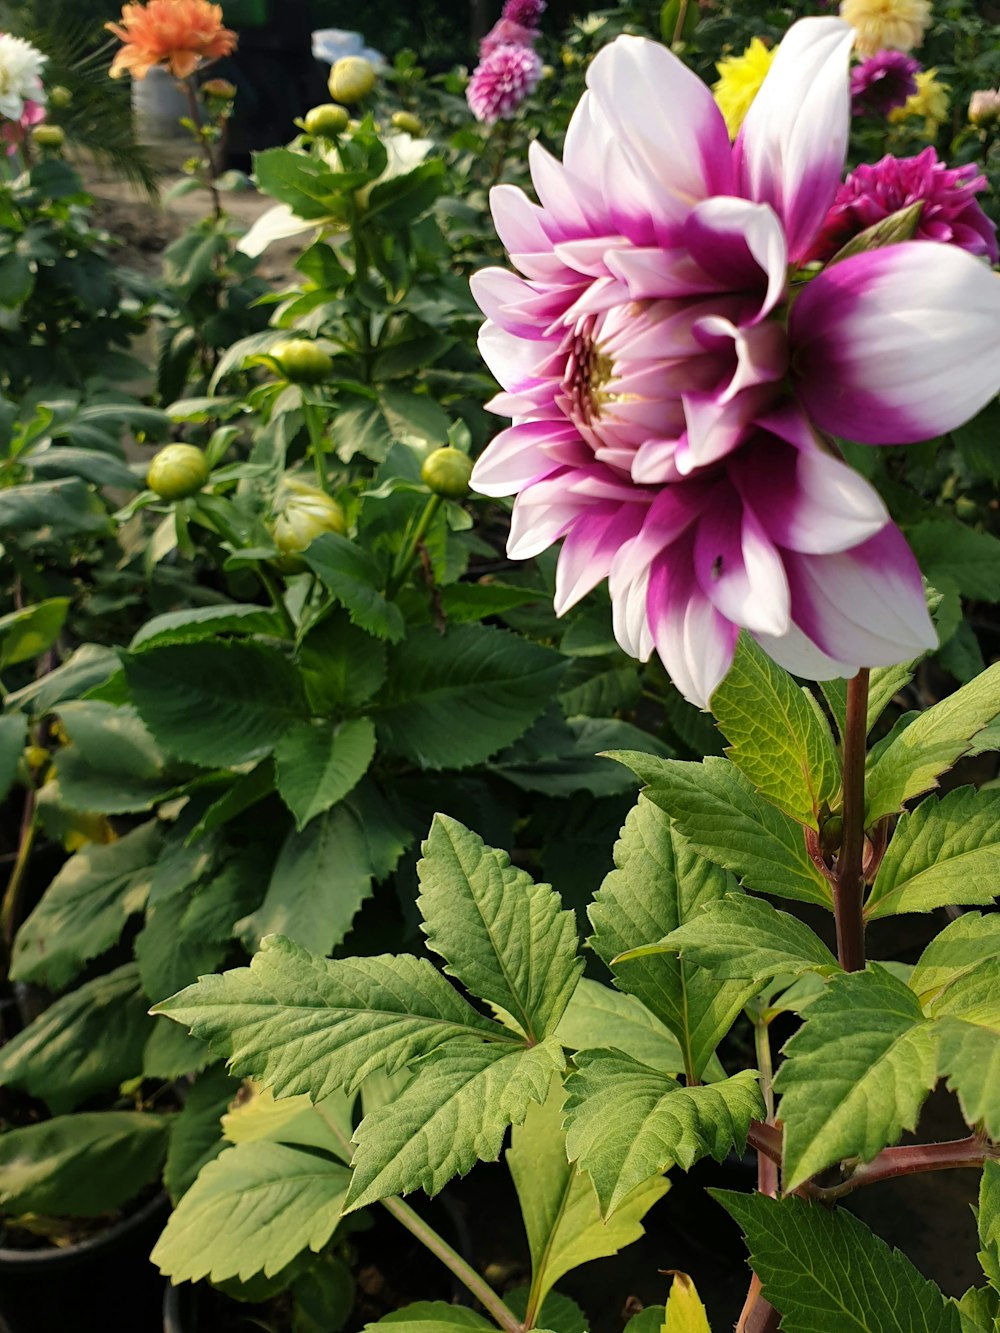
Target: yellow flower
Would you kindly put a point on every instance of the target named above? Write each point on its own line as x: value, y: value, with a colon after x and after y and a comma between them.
x: 899, y: 24
x: 930, y: 101
x: 739, y: 82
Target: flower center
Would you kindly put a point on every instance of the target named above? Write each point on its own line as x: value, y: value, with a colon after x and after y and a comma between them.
x: 589, y: 372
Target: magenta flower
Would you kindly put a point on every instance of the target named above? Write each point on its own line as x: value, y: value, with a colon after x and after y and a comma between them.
x: 502, y: 81
x: 883, y: 82
x: 505, y: 32
x: 666, y: 388
x: 14, y: 132
x: 527, y: 13
x: 950, y: 212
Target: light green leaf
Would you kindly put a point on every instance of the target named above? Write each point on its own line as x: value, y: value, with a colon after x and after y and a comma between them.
x: 988, y: 1222
x: 740, y: 936
x: 13, y: 738
x: 980, y: 1310
x: 454, y: 1111
x: 326, y: 1125
x: 454, y: 699
x: 684, y: 1312
x: 559, y: 1314
x: 627, y: 1123
x: 88, y: 667
x: 87, y: 1042
x: 251, y: 1210
x: 717, y: 810
x: 218, y: 704
x: 599, y: 1016
x: 884, y: 684
x: 504, y: 937
x: 196, y: 1132
x: 560, y: 1209
x: 431, y: 1317
x: 299, y: 1023
x: 317, y: 766
x: 84, y: 909
x: 170, y: 1053
x: 324, y: 874
x: 945, y: 851
x: 660, y: 883
x: 80, y: 1165
x: 112, y: 741
x: 856, y: 1073
x: 31, y: 631
x: 777, y: 736
x: 957, y: 949
x: 826, y: 1272
x: 350, y: 574
x: 205, y: 622
x: 932, y: 743
x: 970, y: 1057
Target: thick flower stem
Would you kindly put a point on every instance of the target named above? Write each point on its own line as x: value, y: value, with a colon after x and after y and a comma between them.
x: 468, y: 1276
x: 849, y: 885
x: 910, y: 1160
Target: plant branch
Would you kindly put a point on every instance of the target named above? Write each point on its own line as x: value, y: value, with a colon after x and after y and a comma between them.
x: 199, y: 124
x: 910, y: 1160
x: 12, y: 893
x: 767, y: 1167
x: 315, y: 428
x: 410, y: 546
x: 849, y: 884
x: 765, y: 1138
x: 757, y: 1315
x: 467, y: 1275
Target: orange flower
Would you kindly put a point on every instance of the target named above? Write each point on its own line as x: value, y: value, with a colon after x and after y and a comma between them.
x: 177, y: 33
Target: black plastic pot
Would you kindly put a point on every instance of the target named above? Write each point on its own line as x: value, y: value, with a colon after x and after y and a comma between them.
x: 104, y: 1283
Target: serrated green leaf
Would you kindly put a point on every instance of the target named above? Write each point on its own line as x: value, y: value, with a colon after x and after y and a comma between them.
x: 205, y: 622
x: 777, y: 738
x: 80, y: 1165
x: 826, y: 1272
x: 326, y: 1124
x: 251, y: 1210
x: 559, y: 1206
x: 87, y: 1042
x: 316, y: 766
x: 931, y: 744
x: 740, y: 936
x: 84, y: 909
x: 945, y: 851
x: 299, y: 1023
x: 558, y: 1314
x: 599, y: 1016
x: 454, y: 1111
x: 196, y: 1131
x: 171, y: 1053
x: 948, y: 550
x: 717, y: 810
x: 350, y: 574
x: 31, y: 631
x: 684, y: 1312
x: 980, y: 1310
x: 961, y: 946
x: 970, y: 1057
x: 112, y: 741
x: 431, y: 1317
x: 342, y: 666
x: 454, y: 699
x: 477, y: 601
x: 855, y: 1074
x: 627, y: 1123
x: 88, y: 667
x: 988, y: 1222
x: 324, y: 873
x: 504, y: 937
x: 884, y: 684
x: 660, y: 883
x: 213, y: 703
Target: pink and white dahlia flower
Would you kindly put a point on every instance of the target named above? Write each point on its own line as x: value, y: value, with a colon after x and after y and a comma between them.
x: 668, y: 377
x: 502, y: 81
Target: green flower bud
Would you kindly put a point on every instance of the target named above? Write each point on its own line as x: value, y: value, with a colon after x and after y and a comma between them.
x: 218, y: 90
x: 304, y: 513
x: 407, y: 122
x: 326, y: 120
x: 47, y: 136
x: 60, y: 97
x: 177, y: 471
x: 351, y: 79
x: 302, y: 361
x: 447, y: 472
x: 831, y: 834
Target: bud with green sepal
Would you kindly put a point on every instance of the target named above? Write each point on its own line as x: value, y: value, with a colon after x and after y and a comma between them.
x: 446, y: 472
x: 177, y: 471
x: 326, y: 120
x: 302, y: 362
x: 303, y: 513
x: 351, y: 80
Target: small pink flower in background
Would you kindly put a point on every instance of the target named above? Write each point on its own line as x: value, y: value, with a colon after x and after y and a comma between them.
x: 984, y: 107
x: 528, y: 13
x: 14, y: 132
x: 950, y: 212
x: 668, y: 387
x: 506, y: 33
x: 883, y: 82
x: 502, y: 81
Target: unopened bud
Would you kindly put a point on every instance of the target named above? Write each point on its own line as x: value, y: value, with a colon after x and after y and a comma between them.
x: 408, y: 122
x: 984, y: 107
x: 447, y: 472
x: 177, y: 471
x: 218, y: 90
x: 326, y: 120
x: 899, y: 226
x: 60, y: 97
x: 304, y: 513
x: 351, y: 79
x: 302, y: 361
x: 47, y: 136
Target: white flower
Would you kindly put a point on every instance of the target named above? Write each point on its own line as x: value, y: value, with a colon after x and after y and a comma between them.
x: 333, y: 44
x: 20, y: 75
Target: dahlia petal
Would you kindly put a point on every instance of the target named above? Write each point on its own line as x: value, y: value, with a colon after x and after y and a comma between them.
x: 799, y: 655
x: 628, y: 612
x: 865, y: 605
x: 761, y: 351
x: 518, y: 223
x: 563, y: 214
x: 517, y: 363
x: 738, y: 568
x: 650, y: 273
x: 542, y: 514
x: 514, y: 304
x: 589, y: 549
x: 694, y: 640
x: 653, y: 463
x: 790, y: 152
x: 668, y: 118
x: 717, y: 424
x: 899, y: 344
x: 518, y: 456
x: 741, y: 244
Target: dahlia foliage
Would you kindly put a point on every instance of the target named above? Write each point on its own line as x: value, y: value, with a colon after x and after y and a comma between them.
x: 178, y: 34
x: 671, y: 372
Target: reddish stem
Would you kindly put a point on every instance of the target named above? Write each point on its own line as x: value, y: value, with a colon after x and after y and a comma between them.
x: 849, y: 884
x: 909, y: 1160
